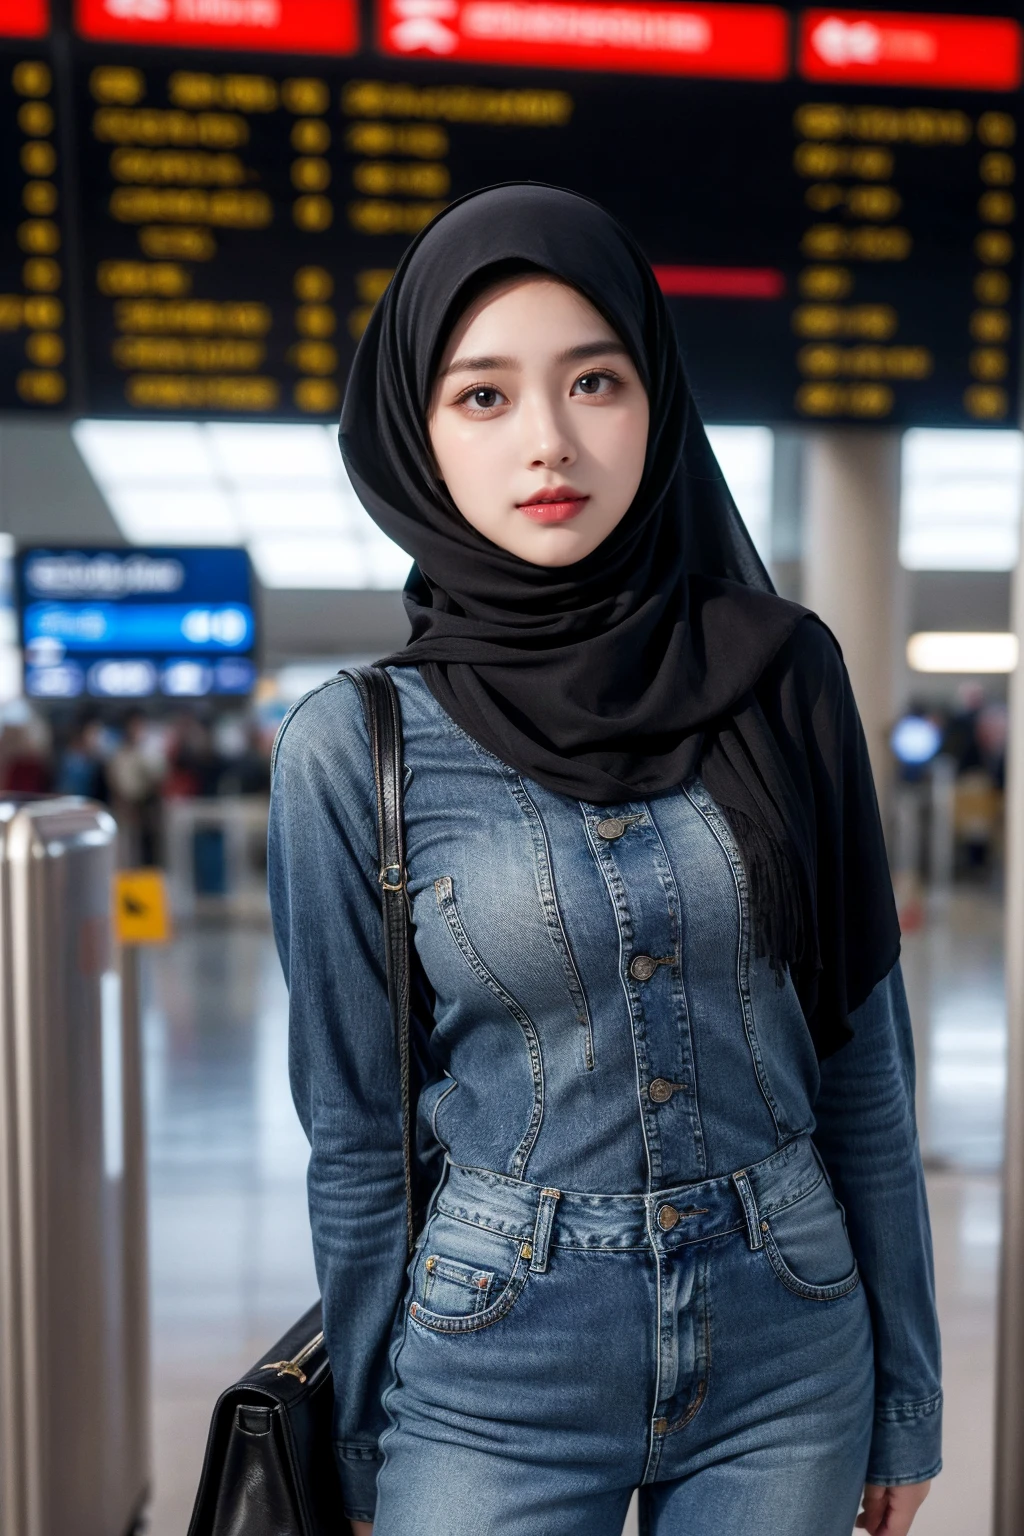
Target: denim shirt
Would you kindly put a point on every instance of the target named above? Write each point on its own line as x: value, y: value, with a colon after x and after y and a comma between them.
x: 575, y: 964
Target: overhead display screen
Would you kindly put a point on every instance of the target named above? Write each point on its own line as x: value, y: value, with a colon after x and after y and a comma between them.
x: 828, y: 196
x: 135, y: 623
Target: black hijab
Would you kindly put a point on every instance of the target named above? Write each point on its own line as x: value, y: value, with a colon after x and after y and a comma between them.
x: 662, y: 652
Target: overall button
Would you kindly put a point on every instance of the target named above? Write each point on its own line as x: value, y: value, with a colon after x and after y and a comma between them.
x: 661, y: 1090
x: 642, y: 967
x: 611, y: 827
x: 667, y: 1217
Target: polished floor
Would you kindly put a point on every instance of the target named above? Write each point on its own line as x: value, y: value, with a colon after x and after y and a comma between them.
x: 230, y: 1253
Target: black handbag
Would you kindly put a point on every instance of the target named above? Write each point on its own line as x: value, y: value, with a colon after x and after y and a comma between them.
x: 269, y: 1468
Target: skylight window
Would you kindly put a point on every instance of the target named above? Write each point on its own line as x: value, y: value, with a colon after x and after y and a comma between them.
x: 281, y: 490
x: 960, y: 503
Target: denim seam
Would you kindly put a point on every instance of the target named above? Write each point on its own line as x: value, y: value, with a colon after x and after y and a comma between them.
x: 880, y: 1480
x: 553, y: 917
x: 700, y: 1396
x: 624, y: 927
x: 656, y: 1441
x: 330, y: 682
x: 706, y: 808
x: 437, y: 1105
x: 663, y: 866
x: 398, y: 1344
x: 520, y: 1235
x: 792, y: 1197
x: 351, y: 1452
x: 908, y: 1413
x: 445, y: 893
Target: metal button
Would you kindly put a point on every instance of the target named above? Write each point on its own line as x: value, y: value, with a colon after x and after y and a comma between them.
x: 667, y: 1217
x: 661, y: 1090
x: 660, y: 1426
x: 611, y: 827
x: 642, y: 967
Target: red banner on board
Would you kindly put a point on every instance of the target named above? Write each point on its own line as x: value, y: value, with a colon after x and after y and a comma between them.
x: 271, y: 26
x: 737, y: 42
x: 24, y: 18
x: 981, y: 53
x: 721, y: 282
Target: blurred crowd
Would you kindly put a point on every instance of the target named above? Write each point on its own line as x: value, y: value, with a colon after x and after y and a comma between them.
x: 949, y: 812
x: 136, y: 763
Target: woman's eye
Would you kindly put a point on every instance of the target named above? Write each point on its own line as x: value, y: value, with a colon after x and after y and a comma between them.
x: 593, y: 384
x: 484, y: 398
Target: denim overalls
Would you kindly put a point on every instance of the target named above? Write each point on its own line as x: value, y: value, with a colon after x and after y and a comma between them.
x: 635, y: 1269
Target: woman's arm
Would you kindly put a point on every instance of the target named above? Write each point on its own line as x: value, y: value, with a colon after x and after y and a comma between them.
x: 343, y: 1061
x: 867, y: 1136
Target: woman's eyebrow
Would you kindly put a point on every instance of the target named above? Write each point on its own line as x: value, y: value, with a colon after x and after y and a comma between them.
x: 588, y: 349
x: 478, y: 365
x: 579, y: 354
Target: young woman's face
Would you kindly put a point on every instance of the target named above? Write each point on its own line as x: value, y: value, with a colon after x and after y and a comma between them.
x: 538, y: 421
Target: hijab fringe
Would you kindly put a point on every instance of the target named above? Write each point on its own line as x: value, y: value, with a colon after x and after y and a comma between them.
x: 778, y: 909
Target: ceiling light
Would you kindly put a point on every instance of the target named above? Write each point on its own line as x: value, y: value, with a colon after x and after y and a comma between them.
x: 962, y: 651
x: 129, y: 452
x: 314, y: 562
x: 247, y: 454
x: 280, y: 489
x: 197, y: 515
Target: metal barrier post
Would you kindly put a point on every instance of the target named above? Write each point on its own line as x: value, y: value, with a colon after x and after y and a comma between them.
x: 1009, y: 1470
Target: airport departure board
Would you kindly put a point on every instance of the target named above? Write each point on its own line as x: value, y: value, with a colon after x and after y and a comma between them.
x: 202, y: 199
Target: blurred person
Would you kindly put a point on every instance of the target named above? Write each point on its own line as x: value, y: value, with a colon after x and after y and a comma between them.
x: 81, y: 769
x: 195, y: 764
x: 25, y: 761
x: 246, y: 767
x: 991, y: 732
x: 650, y: 894
x: 961, y: 740
x: 135, y: 773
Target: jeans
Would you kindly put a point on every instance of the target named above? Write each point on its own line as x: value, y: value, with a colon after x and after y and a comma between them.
x: 710, y: 1343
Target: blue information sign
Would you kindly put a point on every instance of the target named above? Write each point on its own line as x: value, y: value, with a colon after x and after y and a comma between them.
x: 132, y: 623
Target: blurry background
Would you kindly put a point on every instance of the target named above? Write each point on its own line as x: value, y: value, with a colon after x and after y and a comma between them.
x: 201, y: 203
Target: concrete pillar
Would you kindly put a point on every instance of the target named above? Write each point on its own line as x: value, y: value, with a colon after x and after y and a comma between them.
x: 1009, y: 1489
x: 852, y: 576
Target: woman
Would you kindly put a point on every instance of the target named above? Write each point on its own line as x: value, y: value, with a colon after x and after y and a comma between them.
x: 650, y: 893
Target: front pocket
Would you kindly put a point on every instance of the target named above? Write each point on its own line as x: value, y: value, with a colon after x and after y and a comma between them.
x: 808, y: 1248
x: 453, y: 1288
x: 466, y: 1277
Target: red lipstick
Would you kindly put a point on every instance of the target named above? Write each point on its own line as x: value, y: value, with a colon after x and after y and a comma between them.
x: 555, y: 504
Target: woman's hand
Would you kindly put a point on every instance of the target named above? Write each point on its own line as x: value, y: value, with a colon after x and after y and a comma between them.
x: 887, y: 1511
x: 361, y: 1527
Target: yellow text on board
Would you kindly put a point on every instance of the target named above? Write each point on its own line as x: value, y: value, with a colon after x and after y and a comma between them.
x: 141, y: 910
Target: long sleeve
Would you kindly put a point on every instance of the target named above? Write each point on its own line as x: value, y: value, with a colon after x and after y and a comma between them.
x: 343, y: 1062
x: 866, y: 1133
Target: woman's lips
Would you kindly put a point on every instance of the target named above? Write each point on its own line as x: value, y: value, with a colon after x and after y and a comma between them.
x: 554, y: 511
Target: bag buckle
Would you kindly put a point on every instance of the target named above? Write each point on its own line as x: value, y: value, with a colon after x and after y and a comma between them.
x: 390, y: 885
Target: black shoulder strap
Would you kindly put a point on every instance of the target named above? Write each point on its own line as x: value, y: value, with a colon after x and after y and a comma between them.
x: 379, y: 698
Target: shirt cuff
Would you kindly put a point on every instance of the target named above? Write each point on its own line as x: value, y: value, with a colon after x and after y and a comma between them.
x: 906, y: 1446
x: 358, y: 1466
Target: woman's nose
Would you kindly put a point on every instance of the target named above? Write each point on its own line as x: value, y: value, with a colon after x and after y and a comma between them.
x: 548, y: 444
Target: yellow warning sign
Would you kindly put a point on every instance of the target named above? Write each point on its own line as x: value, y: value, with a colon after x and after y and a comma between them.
x: 141, y: 911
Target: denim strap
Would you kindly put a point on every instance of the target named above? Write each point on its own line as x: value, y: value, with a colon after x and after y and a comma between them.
x: 749, y: 1204
x: 542, y: 1228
